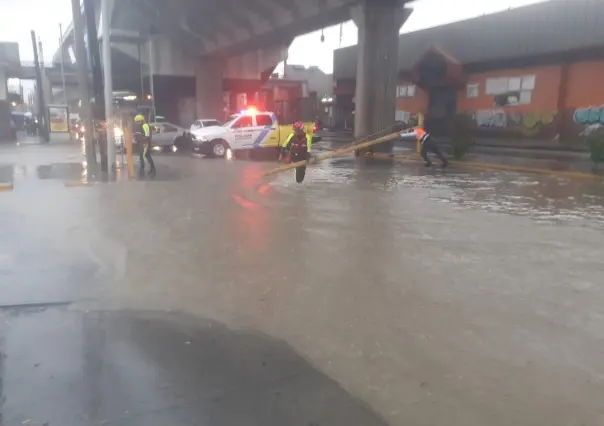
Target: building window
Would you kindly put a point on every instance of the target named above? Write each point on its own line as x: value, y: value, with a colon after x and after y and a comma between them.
x: 528, y: 82
x: 514, y: 84
x: 513, y: 98
x: 405, y: 91
x: 498, y: 86
x: 510, y: 91
x: 402, y: 116
x: 526, y: 96
x: 472, y: 91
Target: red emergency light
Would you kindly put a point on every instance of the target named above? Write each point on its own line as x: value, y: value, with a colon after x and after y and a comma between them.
x: 250, y: 110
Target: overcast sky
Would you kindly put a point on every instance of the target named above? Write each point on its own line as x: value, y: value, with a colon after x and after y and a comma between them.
x: 20, y: 16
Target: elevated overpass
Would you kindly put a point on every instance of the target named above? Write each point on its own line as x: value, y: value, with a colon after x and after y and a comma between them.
x: 212, y: 46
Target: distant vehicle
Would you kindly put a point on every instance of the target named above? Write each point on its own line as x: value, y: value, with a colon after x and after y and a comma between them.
x: 204, y: 122
x: 257, y: 131
x: 166, y: 137
x: 81, y: 130
x: 160, y: 119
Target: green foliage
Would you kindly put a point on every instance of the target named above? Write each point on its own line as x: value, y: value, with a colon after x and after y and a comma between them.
x: 461, y: 133
x: 595, y: 143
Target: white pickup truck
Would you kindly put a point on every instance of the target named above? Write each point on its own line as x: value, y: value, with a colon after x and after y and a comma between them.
x: 250, y: 130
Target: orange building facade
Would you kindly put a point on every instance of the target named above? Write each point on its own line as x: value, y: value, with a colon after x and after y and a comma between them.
x: 551, y: 101
x: 533, y: 72
x: 548, y: 101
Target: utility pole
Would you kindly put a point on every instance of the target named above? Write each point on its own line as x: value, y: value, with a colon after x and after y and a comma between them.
x: 63, y: 79
x: 97, y: 80
x: 41, y: 104
x: 140, y: 61
x: 63, y: 65
x: 151, y: 73
x: 108, y: 80
x: 82, y: 69
x: 45, y: 87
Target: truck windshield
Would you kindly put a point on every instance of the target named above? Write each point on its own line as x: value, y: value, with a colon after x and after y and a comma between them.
x: 230, y: 122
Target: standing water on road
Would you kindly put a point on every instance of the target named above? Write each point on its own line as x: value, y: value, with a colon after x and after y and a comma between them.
x: 371, y: 294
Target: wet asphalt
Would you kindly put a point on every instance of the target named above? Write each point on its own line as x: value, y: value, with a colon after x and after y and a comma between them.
x: 375, y: 293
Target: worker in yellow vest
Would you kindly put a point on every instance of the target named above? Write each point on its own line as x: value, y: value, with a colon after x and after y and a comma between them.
x: 298, y: 145
x: 143, y: 137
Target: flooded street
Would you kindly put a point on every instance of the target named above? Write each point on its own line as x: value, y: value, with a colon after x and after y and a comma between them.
x: 375, y: 293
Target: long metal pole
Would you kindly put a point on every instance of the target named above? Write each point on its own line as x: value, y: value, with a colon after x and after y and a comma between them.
x: 151, y: 73
x: 142, y: 76
x: 45, y: 89
x: 63, y: 65
x: 98, y: 109
x: 41, y: 104
x: 82, y: 69
x: 108, y: 80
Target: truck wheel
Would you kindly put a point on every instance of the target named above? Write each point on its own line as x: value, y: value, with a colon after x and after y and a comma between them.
x: 219, y: 149
x: 182, y: 143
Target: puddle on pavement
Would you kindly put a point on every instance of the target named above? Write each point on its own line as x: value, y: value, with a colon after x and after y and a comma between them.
x: 544, y: 198
x: 66, y: 368
x: 79, y: 173
x: 547, y: 199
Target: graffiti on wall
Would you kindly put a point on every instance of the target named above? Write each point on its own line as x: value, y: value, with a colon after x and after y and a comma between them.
x: 589, y: 120
x: 489, y: 118
x: 502, y: 123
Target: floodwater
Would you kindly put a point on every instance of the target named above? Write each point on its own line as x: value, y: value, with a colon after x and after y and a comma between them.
x: 395, y: 293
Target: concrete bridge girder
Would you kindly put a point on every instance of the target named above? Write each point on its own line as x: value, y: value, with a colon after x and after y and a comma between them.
x: 224, y: 27
x: 250, y: 65
x: 214, y: 26
x: 213, y: 40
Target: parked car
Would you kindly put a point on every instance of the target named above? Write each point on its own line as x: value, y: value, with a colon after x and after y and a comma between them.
x: 204, y: 122
x: 166, y: 137
x: 169, y: 137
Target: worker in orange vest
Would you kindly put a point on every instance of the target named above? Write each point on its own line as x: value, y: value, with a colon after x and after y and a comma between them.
x: 428, y: 145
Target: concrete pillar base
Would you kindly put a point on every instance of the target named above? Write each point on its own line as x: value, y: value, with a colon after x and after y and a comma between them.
x: 208, y: 81
x: 378, y: 22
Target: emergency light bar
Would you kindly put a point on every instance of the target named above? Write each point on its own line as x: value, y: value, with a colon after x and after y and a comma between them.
x: 249, y: 110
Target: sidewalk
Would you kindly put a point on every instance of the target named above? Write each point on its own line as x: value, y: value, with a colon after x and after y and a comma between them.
x: 55, y: 138
x: 503, y: 152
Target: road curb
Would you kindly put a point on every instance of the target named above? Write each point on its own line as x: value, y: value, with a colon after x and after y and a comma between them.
x: 500, y: 167
x: 5, y: 187
x: 78, y: 184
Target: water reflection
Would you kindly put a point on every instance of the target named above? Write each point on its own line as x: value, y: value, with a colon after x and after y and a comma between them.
x: 544, y: 198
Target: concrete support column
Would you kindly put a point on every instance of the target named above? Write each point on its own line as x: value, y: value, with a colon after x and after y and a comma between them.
x: 379, y: 23
x: 208, y: 81
x: 106, y: 13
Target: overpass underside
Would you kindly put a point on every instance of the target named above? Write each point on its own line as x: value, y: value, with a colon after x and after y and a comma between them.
x: 219, y: 44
